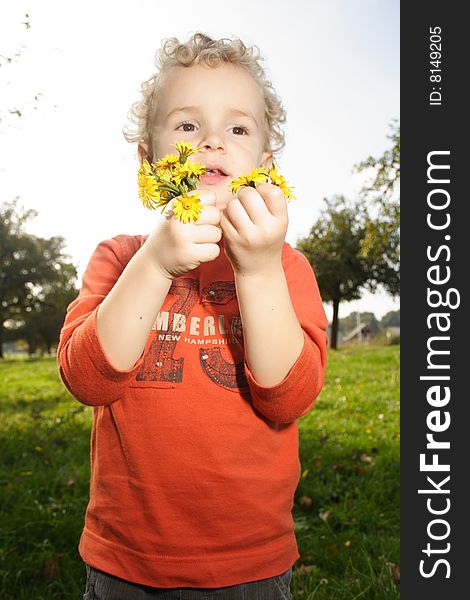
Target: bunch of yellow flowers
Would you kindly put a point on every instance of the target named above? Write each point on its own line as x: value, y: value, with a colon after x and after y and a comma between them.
x: 173, y: 176
x: 259, y: 175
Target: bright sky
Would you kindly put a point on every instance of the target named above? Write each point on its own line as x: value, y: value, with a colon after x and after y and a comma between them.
x: 334, y: 63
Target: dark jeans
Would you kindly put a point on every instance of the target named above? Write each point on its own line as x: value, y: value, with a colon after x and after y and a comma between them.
x: 102, y: 586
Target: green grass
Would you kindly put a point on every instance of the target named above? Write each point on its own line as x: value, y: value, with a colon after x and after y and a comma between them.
x: 347, y: 503
x: 346, y: 506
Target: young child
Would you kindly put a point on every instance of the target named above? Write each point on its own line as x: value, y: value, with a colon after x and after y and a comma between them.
x: 198, y: 346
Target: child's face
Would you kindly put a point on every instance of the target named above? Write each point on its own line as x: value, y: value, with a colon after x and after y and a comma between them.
x: 220, y: 110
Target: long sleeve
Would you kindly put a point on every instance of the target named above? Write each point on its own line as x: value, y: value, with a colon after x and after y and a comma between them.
x: 83, y: 365
x: 294, y: 396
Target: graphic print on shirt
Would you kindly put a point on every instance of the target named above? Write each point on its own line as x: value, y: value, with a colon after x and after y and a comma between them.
x: 213, y: 334
x: 159, y: 364
x: 221, y: 371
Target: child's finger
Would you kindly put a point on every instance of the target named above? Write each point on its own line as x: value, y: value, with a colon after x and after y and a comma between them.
x: 206, y: 252
x: 238, y: 216
x: 274, y: 199
x: 253, y: 203
x: 210, y: 215
x: 207, y: 234
x: 228, y: 228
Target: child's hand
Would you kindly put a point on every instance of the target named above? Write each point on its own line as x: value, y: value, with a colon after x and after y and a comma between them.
x: 177, y: 248
x: 254, y: 226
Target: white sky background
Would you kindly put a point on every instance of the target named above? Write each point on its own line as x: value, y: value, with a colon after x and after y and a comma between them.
x: 334, y: 63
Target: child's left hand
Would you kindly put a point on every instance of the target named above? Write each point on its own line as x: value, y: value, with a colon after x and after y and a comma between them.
x: 254, y: 225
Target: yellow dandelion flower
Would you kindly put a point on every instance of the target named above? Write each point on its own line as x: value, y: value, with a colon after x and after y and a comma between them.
x: 148, y: 190
x: 274, y: 175
x: 185, y: 149
x: 172, y: 176
x: 195, y: 169
x: 146, y: 168
x: 287, y: 191
x: 257, y: 175
x: 278, y: 179
x: 167, y: 161
x: 179, y: 172
x: 165, y: 173
x: 237, y: 183
x: 187, y: 207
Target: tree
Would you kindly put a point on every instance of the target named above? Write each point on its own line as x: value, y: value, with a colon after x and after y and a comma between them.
x: 333, y: 248
x: 385, y: 169
x: 345, y: 248
x: 382, y: 244
x: 356, y: 246
x: 381, y: 247
x: 391, y: 319
x: 44, y: 316
x: 32, y: 269
x: 41, y: 326
x: 7, y: 60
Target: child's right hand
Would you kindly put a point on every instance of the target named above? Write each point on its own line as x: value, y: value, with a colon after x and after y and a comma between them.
x: 177, y: 248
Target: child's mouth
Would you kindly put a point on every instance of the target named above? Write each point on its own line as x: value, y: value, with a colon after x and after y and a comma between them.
x: 213, y: 176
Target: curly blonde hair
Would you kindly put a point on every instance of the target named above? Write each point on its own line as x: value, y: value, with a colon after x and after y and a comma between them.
x: 201, y: 48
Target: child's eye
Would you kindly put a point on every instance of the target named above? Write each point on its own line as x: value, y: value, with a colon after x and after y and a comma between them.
x: 187, y: 127
x: 237, y: 130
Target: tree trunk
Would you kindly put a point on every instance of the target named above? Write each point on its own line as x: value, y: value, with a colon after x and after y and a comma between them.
x: 31, y: 347
x: 2, y: 335
x: 334, y: 325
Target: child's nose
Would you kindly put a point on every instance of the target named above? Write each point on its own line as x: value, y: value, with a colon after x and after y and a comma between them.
x: 212, y: 141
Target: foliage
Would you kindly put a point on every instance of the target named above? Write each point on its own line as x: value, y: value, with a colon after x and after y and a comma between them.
x: 391, y: 319
x: 333, y: 248
x: 36, y: 278
x: 345, y: 248
x: 381, y: 248
x: 386, y: 168
x: 41, y: 326
x: 356, y: 246
x: 7, y: 60
x: 346, y: 507
x: 382, y: 245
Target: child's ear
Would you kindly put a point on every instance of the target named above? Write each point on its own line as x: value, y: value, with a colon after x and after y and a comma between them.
x: 267, y: 160
x: 142, y: 150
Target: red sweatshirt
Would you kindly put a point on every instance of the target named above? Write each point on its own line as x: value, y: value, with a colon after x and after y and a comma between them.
x: 194, y: 465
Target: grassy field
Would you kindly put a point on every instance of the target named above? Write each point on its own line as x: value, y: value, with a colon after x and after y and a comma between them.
x: 346, y: 506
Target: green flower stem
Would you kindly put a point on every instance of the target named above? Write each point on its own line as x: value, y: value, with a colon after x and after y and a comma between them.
x: 191, y: 183
x: 165, y: 205
x: 168, y: 186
